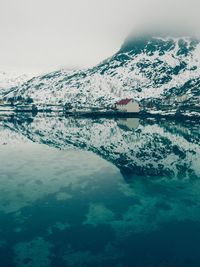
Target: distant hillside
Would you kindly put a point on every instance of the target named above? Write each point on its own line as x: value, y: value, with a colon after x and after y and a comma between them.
x: 163, y: 73
x: 9, y: 80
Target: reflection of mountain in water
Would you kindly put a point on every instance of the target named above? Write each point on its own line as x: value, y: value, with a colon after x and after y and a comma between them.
x: 48, y: 195
x: 148, y: 148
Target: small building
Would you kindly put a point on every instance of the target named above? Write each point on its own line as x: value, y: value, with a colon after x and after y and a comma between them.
x: 128, y: 105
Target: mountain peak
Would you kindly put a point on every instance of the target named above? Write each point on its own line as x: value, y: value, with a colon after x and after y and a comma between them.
x: 147, y: 67
x: 161, y: 43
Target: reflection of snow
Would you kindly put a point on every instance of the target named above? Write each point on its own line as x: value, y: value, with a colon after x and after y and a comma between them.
x: 151, y: 149
x: 129, y: 123
x: 31, y: 172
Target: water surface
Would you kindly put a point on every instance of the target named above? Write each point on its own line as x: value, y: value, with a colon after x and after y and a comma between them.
x: 105, y: 192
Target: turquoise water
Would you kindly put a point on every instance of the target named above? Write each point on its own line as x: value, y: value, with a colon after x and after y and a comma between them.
x: 80, y: 192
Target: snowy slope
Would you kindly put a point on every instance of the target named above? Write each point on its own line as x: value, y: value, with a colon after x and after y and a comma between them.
x: 10, y: 79
x: 150, y: 67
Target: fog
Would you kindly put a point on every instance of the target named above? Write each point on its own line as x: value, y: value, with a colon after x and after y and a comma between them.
x: 44, y: 35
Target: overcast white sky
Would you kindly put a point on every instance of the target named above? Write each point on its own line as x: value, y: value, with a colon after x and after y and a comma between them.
x: 43, y: 35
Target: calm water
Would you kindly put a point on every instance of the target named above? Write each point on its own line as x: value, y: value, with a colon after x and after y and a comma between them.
x: 81, y: 192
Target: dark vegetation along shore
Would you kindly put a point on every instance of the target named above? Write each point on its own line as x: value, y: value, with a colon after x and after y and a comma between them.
x: 56, y: 110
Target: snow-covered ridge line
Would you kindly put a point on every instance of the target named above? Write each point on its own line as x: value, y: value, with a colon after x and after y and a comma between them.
x: 154, y: 68
x: 12, y: 79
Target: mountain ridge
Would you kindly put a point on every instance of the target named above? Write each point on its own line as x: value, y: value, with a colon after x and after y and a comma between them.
x: 12, y: 79
x: 146, y: 68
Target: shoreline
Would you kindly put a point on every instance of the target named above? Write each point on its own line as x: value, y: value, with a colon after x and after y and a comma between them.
x: 93, y: 115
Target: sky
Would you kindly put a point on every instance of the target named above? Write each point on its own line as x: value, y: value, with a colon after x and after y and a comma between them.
x: 45, y: 35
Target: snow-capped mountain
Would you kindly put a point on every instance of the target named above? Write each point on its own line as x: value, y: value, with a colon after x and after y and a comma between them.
x: 148, y: 147
x: 164, y: 69
x: 10, y: 80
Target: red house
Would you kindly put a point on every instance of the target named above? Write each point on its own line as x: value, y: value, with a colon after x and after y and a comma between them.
x: 128, y: 105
